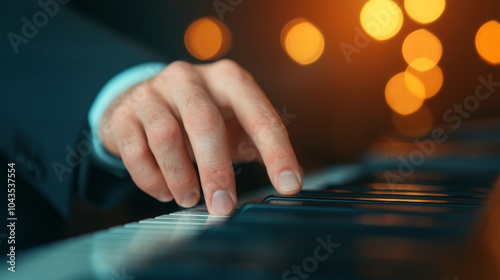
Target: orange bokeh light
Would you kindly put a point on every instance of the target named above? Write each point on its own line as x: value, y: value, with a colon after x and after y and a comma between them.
x: 425, y: 11
x: 422, y: 50
x: 302, y: 41
x: 405, y: 93
x: 488, y: 42
x: 432, y: 79
x: 381, y: 19
x: 207, y: 38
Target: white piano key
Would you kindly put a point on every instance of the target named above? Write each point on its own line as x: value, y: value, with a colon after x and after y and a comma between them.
x: 198, y: 214
x: 173, y: 222
x: 146, y: 231
x: 176, y: 217
x: 163, y: 226
x: 195, y: 217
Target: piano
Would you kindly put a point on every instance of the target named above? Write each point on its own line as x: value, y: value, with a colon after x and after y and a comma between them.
x: 401, y: 213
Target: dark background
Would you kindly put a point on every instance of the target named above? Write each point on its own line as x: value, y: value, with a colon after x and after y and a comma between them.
x: 340, y: 106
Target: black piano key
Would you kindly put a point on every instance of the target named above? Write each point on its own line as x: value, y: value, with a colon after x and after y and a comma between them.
x: 450, y: 181
x: 410, y: 197
x: 411, y: 205
x: 333, y: 216
x: 410, y: 187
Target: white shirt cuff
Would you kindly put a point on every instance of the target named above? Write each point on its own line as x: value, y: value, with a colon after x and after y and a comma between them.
x: 117, y: 85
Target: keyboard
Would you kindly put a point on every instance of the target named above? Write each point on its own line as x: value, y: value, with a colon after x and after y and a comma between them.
x: 379, y: 219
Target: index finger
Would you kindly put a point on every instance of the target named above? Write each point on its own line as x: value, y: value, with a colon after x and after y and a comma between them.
x: 259, y: 119
x: 205, y: 128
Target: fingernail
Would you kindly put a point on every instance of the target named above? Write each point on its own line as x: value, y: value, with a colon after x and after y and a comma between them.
x: 190, y: 200
x: 222, y: 204
x: 288, y: 182
x: 166, y: 196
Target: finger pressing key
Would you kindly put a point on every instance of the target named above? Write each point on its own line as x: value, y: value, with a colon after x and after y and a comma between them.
x: 182, y: 86
x: 166, y: 141
x: 259, y: 119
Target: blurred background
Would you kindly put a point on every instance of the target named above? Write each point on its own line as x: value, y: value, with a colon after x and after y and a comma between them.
x: 344, y: 71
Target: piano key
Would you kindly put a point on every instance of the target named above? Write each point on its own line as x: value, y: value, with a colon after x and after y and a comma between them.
x: 286, y: 214
x: 197, y: 217
x: 127, y: 231
x: 173, y: 222
x: 197, y: 214
x: 412, y: 189
x: 148, y: 235
x: 409, y: 190
x: 165, y: 227
x: 391, y: 197
x: 451, y: 180
x: 364, y: 205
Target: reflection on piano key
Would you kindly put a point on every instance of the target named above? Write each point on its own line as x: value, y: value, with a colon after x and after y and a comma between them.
x: 364, y: 205
x: 399, y: 220
x: 135, y: 243
x: 173, y: 221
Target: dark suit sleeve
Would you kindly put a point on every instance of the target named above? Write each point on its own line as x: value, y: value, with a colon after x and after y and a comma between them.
x: 52, y: 65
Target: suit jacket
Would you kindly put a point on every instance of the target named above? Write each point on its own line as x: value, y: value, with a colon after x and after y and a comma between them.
x: 54, y: 61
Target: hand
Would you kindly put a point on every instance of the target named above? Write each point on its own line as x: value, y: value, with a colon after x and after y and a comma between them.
x: 213, y: 114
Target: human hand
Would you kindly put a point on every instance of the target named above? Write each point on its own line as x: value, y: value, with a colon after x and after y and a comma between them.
x: 202, y: 113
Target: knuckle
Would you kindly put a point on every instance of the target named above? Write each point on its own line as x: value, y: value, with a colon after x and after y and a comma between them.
x: 204, y: 120
x: 219, y: 176
x: 228, y: 64
x: 178, y: 66
x: 268, y: 123
x: 267, y: 128
x: 267, y: 120
x: 120, y: 113
x: 161, y: 132
x: 160, y: 128
x: 280, y: 158
x: 177, y: 71
x: 131, y: 151
x: 141, y: 92
x: 230, y: 69
x: 105, y: 126
x: 194, y: 98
